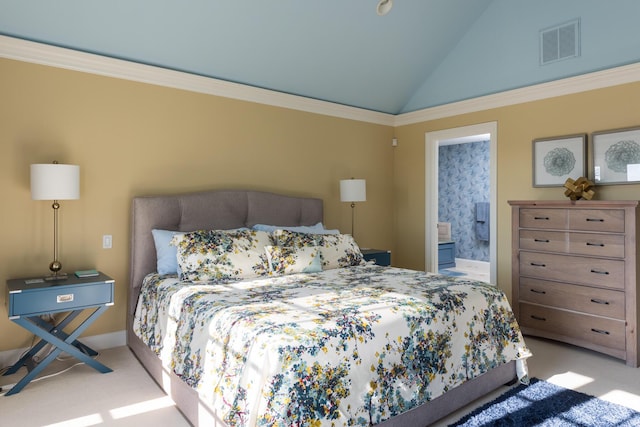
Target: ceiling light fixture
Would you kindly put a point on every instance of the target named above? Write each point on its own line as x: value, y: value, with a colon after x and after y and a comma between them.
x: 384, y: 6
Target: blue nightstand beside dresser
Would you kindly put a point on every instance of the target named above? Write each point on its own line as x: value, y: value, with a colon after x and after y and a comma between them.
x: 380, y: 256
x: 29, y: 299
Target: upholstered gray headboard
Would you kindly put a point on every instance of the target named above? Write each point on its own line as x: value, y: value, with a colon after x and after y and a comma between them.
x: 205, y: 211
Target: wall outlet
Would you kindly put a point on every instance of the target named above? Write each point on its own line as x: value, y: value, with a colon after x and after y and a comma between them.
x: 107, y: 241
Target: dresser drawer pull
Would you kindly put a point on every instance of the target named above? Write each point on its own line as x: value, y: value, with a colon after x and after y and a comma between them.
x: 536, y: 264
x: 595, y: 220
x: 535, y: 291
x: 541, y: 218
x: 599, y: 331
x: 599, y: 301
x: 534, y: 317
x: 599, y: 272
x: 595, y: 244
x: 541, y: 240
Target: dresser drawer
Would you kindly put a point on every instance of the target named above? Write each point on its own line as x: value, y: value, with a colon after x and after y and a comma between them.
x: 603, y: 245
x: 600, y: 245
x: 609, y: 220
x: 601, y: 302
x: 60, y: 298
x: 542, y: 240
x: 606, y: 273
x: 597, y: 330
x: 544, y: 218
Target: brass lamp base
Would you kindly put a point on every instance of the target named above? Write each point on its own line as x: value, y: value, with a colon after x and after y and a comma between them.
x: 56, y: 274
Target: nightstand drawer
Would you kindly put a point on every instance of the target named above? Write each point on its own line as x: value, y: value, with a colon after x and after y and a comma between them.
x: 60, y: 298
x: 381, y: 257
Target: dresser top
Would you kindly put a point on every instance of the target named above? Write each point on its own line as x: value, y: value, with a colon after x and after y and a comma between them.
x: 577, y: 203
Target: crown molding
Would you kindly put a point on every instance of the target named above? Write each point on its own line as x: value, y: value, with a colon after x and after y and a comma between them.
x: 43, y: 54
x: 596, y: 80
x: 53, y: 56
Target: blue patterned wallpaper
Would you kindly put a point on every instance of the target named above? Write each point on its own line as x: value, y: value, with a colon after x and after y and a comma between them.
x: 463, y: 181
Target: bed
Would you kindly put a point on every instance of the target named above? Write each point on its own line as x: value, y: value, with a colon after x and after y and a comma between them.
x: 312, y: 388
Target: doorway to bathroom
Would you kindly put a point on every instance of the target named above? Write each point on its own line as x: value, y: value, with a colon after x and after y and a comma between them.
x: 460, y: 201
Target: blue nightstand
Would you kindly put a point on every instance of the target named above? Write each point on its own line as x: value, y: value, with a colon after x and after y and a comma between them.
x: 380, y: 256
x: 28, y: 299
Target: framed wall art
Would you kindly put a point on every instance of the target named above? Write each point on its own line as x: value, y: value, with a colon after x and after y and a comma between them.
x: 558, y: 158
x: 616, y: 156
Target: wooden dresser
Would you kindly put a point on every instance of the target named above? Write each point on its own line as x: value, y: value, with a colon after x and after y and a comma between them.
x: 574, y: 273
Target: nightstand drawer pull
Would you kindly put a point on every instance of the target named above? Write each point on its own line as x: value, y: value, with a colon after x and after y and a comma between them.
x: 600, y: 331
x: 541, y: 240
x: 534, y: 317
x: 535, y: 291
x: 595, y: 220
x: 64, y: 298
x: 595, y: 244
x: 541, y: 218
x: 599, y: 301
x: 535, y: 264
x: 599, y: 272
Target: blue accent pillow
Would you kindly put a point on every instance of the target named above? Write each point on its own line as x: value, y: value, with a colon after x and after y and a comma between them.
x: 166, y: 255
x: 312, y: 229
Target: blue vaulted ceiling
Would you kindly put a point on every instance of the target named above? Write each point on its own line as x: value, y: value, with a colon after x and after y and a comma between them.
x: 423, y: 53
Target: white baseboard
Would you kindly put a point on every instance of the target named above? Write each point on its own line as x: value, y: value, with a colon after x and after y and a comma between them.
x: 97, y: 342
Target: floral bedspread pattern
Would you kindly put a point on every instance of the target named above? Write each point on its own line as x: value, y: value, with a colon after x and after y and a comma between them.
x: 350, y: 346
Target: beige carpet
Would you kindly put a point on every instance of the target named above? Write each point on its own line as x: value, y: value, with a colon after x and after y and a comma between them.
x: 82, y: 397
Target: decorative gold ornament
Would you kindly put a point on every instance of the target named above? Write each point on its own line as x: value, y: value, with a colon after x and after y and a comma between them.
x: 581, y: 188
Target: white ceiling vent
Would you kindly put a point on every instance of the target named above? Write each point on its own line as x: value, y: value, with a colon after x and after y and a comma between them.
x: 560, y: 42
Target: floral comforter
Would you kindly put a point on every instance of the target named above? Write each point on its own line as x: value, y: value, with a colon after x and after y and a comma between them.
x: 349, y: 346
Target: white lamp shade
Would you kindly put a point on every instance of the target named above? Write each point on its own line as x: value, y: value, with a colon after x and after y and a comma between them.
x: 53, y: 181
x: 353, y: 190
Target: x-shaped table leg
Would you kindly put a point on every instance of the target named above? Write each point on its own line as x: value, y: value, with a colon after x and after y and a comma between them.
x: 53, y: 335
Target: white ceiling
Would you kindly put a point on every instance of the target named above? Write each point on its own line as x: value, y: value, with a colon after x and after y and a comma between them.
x: 422, y: 53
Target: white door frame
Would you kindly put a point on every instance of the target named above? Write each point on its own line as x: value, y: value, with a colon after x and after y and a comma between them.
x: 431, y: 190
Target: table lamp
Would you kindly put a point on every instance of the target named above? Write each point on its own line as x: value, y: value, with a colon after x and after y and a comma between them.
x: 353, y: 190
x: 55, y: 182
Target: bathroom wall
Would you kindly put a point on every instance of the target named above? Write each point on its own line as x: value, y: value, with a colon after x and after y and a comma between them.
x: 463, y: 180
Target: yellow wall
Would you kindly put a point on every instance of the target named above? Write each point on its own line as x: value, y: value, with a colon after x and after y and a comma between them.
x: 518, y: 125
x: 137, y: 139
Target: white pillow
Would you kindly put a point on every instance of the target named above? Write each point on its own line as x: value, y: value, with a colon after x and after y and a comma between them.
x: 336, y: 250
x: 287, y: 260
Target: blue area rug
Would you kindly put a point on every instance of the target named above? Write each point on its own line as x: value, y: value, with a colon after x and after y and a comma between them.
x: 545, y: 404
x: 451, y: 273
